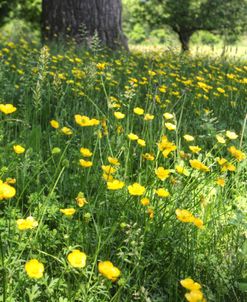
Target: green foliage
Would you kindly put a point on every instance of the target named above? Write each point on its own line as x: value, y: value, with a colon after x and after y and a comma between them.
x: 227, y: 18
x: 153, y: 249
x: 28, y: 10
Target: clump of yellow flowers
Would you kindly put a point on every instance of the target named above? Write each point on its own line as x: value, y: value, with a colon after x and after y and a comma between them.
x: 26, y: 224
x: 195, y: 294
x: 108, y: 270
x: 187, y: 217
x: 6, y: 191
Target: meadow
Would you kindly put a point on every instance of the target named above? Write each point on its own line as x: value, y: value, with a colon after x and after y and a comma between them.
x: 123, y: 176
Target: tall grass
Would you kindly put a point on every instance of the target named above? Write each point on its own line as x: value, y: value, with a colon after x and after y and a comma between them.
x: 148, y: 243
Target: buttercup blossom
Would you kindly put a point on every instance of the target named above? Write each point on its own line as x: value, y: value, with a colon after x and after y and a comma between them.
x: 54, y: 124
x: 81, y: 200
x: 170, y: 126
x: 34, y: 269
x: 161, y: 192
x: 85, y: 121
x: 7, y: 108
x: 195, y: 149
x: 86, y: 152
x: 115, y: 185
x: 196, y: 164
x: 68, y: 212
x: 231, y: 135
x: 239, y: 155
x: 136, y: 189
x: 119, y: 115
x: 145, y: 201
x: 162, y: 173
x: 85, y: 163
x: 66, y: 131
x: 168, y: 115
x: 6, y: 191
x: 18, y: 149
x: 133, y: 137
x: 113, y: 161
x: 77, y: 259
x: 108, y: 270
x: 148, y: 117
x: 138, y: 111
x: 26, y: 224
x: 188, y: 138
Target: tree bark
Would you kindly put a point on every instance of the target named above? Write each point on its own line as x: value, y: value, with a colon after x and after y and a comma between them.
x: 69, y: 18
x: 184, y: 38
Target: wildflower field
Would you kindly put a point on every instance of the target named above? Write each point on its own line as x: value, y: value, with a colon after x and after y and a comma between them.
x: 123, y: 176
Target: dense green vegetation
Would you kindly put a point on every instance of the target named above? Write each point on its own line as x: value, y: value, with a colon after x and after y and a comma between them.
x: 173, y: 124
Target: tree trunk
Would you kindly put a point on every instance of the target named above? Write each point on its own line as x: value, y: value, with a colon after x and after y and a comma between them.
x: 184, y: 38
x: 79, y: 18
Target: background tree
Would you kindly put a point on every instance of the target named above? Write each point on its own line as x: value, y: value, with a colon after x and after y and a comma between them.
x: 185, y: 17
x: 28, y: 10
x: 61, y: 18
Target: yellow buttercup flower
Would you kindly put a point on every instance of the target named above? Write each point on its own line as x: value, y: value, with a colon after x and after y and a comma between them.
x: 168, y: 116
x: 85, y: 163
x: 85, y: 152
x: 221, y: 161
x: 136, y: 189
x: 113, y: 161
x: 198, y: 222
x: 194, y: 296
x: 170, y: 126
x: 34, y: 269
x: 220, y: 139
x: 7, y: 108
x: 68, y: 211
x: 148, y: 156
x: 108, y: 270
x: 107, y: 177
x: 150, y: 213
x: 181, y: 170
x: 220, y: 182
x: 108, y: 169
x: 145, y: 201
x: 141, y: 142
x: 138, y: 111
x: 228, y: 167
x: 196, y: 164
x: 77, y: 259
x: 148, y: 117
x: 184, y: 215
x: 81, y: 200
x: 115, y: 185
x: 133, y: 137
x: 162, y: 173
x: 188, y: 138
x: 119, y: 115
x: 166, y: 147
x: 231, y: 135
x: 239, y: 155
x: 190, y: 284
x: 161, y: 192
x: 85, y: 121
x: 67, y: 131
x: 195, y: 149
x: 6, y: 191
x: 18, y: 149
x: 26, y: 224
x: 54, y: 124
